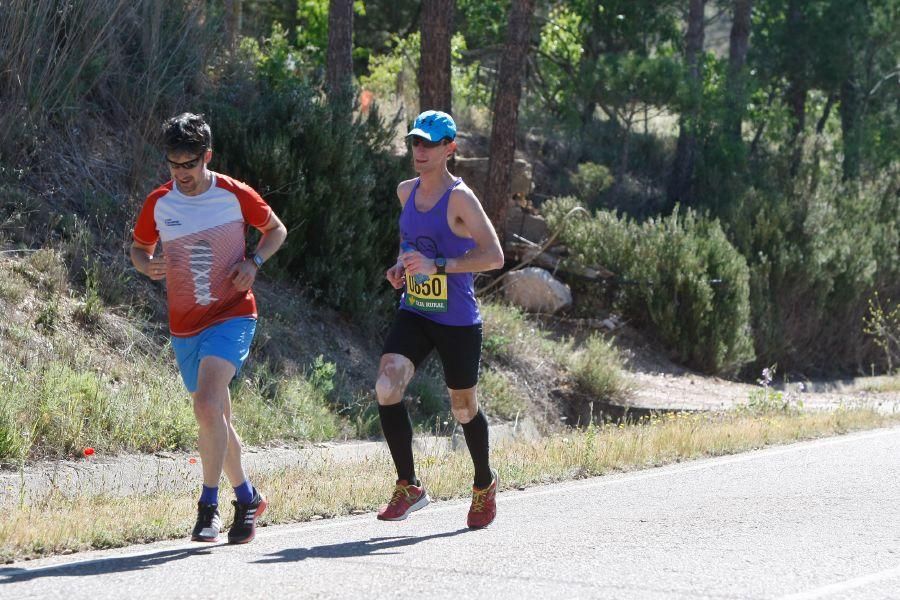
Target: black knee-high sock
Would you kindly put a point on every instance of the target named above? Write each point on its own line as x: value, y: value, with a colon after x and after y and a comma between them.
x: 476, y: 432
x: 398, y: 433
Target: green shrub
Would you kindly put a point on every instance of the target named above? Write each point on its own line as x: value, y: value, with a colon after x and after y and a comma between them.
x: 89, y: 313
x: 330, y: 178
x: 591, y: 180
x: 818, y: 251
x: 426, y: 395
x: 267, y: 407
x: 883, y: 324
x: 54, y: 410
x: 499, y: 395
x: 598, y: 370
x: 680, y: 277
x: 12, y: 288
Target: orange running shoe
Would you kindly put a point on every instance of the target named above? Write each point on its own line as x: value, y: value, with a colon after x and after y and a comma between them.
x: 484, y: 504
x: 406, y: 499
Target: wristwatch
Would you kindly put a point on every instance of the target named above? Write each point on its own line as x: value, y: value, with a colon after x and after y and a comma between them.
x: 441, y: 263
x: 257, y: 260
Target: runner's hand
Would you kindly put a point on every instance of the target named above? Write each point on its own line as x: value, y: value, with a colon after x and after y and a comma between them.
x: 395, y: 275
x: 417, y: 263
x: 243, y: 275
x: 156, y: 268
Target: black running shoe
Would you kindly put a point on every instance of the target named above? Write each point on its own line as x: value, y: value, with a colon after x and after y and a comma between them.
x: 244, y: 527
x: 208, y: 523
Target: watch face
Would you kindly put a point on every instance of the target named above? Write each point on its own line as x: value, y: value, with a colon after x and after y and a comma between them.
x: 440, y: 261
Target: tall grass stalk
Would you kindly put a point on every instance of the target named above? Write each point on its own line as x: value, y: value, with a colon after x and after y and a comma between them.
x: 75, y: 73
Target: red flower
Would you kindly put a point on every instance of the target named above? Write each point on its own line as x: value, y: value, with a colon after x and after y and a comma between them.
x: 88, y: 451
x: 193, y: 461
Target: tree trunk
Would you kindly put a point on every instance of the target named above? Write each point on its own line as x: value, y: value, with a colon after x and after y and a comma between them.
x: 339, y: 60
x: 434, y: 63
x: 506, y: 112
x: 289, y: 8
x: 682, y: 176
x: 795, y: 95
x: 851, y: 134
x: 233, y: 18
x: 739, y: 42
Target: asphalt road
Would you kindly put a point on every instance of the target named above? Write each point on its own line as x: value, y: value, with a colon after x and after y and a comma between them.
x: 801, y: 522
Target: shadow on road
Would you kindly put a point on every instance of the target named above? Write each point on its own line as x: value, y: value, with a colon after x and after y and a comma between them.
x: 376, y: 545
x: 99, y: 566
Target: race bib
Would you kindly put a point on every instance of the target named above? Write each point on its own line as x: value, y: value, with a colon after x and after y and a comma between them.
x: 427, y: 293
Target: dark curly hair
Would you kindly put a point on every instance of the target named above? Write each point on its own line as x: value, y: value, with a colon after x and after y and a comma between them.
x: 188, y: 133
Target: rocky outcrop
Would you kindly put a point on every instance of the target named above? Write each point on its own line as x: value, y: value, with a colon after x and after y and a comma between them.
x: 536, y: 290
x: 474, y: 172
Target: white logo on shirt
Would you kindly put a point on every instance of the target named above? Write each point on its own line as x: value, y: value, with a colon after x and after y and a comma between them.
x: 201, y: 266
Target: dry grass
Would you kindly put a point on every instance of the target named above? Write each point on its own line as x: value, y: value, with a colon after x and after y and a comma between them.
x: 884, y: 385
x: 60, y: 525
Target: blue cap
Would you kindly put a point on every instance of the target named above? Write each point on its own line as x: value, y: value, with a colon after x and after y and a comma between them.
x: 434, y: 126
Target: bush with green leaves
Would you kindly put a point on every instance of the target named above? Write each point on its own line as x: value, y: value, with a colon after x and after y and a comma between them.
x: 818, y: 251
x: 598, y: 370
x: 329, y: 176
x: 591, y: 180
x: 268, y: 406
x: 499, y: 396
x: 679, y: 276
x: 882, y: 323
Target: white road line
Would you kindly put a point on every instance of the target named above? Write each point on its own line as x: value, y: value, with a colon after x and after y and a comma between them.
x: 844, y: 586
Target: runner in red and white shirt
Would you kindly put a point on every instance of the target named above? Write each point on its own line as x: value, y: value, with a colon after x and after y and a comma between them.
x: 201, y: 219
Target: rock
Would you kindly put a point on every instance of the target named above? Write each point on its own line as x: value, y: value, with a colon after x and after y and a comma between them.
x: 531, y: 227
x: 536, y: 290
x: 474, y: 172
x: 611, y: 323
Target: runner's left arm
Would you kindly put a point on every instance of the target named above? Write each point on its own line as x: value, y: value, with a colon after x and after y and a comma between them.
x: 487, y: 254
x: 273, y: 235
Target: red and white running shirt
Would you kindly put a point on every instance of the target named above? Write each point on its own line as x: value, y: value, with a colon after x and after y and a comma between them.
x: 203, y: 237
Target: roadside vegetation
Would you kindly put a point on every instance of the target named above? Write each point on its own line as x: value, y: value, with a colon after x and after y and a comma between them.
x: 67, y: 523
x: 746, y: 204
x: 111, y: 385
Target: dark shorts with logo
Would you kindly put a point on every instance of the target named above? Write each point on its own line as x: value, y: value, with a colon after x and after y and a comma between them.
x: 459, y: 347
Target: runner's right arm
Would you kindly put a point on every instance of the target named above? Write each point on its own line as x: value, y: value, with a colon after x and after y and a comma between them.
x: 145, y: 262
x: 396, y: 274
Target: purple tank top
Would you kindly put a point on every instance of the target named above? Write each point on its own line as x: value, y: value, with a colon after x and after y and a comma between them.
x: 447, y: 299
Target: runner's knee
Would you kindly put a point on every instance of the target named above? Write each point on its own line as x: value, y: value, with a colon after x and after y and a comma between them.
x: 393, y: 377
x: 463, y: 404
x: 207, y: 408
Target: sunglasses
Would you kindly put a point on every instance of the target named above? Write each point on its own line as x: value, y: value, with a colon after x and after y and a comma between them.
x: 417, y: 141
x: 188, y: 165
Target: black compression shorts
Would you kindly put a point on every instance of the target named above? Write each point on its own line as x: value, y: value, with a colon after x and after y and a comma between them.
x: 459, y: 347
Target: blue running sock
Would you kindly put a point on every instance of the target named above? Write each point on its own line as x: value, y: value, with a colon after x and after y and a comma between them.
x: 244, y: 492
x: 210, y: 495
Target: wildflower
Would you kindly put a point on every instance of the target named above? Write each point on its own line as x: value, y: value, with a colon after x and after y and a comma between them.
x: 767, y: 375
x: 192, y: 460
x: 88, y: 451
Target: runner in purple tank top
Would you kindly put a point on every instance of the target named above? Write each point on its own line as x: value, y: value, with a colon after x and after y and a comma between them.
x: 445, y: 237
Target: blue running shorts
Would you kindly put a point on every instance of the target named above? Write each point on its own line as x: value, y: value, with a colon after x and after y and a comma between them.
x: 229, y: 340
